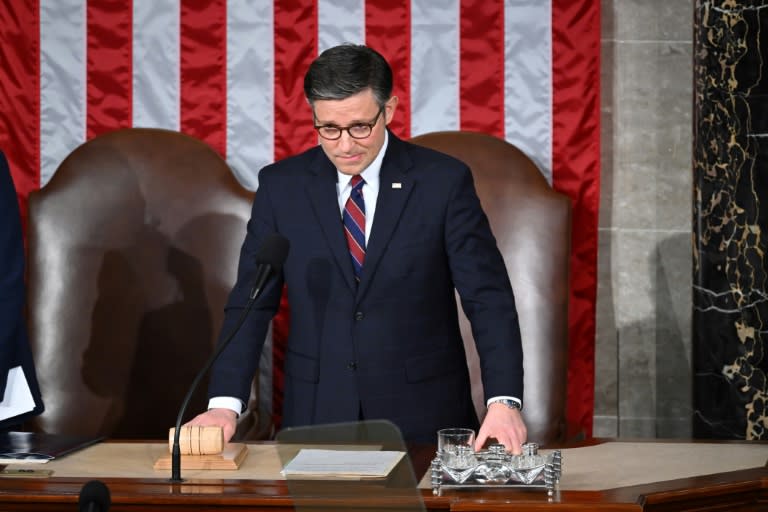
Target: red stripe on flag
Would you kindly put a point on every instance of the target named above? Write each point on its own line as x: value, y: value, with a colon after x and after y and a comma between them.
x: 576, y: 172
x: 295, y: 49
x: 109, y: 48
x: 19, y: 95
x: 295, y: 41
x: 481, y: 68
x: 388, y: 31
x: 203, y: 61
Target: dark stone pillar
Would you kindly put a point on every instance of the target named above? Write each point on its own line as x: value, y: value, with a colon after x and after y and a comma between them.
x: 730, y: 165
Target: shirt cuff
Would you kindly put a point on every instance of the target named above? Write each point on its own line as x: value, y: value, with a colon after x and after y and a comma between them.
x: 226, y: 402
x: 497, y: 398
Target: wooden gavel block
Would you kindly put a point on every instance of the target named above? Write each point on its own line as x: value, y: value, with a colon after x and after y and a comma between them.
x: 196, y: 440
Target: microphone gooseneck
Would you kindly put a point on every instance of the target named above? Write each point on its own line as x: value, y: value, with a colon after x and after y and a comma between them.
x: 269, y: 259
x: 94, y: 497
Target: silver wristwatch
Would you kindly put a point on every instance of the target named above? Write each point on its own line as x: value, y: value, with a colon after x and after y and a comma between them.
x: 509, y: 403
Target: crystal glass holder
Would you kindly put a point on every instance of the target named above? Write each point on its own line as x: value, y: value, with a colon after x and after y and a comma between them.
x: 494, y: 467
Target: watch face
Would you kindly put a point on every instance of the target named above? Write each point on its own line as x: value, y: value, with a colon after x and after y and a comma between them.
x: 509, y: 403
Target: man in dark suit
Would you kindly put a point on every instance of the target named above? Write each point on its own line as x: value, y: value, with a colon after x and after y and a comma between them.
x: 14, y: 344
x: 371, y: 274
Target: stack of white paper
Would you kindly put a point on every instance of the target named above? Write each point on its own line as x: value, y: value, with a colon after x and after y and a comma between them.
x: 315, y: 463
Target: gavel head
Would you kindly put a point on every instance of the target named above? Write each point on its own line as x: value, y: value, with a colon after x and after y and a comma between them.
x: 197, y: 440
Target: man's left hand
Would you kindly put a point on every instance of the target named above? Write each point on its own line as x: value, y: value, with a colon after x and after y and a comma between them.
x: 505, y: 425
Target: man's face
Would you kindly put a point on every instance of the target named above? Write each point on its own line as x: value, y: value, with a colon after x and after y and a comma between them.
x: 349, y: 155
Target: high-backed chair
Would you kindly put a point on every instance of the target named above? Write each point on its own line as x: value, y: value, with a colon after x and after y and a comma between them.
x: 133, y: 248
x: 531, y: 223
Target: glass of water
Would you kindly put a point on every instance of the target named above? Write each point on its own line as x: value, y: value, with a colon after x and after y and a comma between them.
x: 455, y: 446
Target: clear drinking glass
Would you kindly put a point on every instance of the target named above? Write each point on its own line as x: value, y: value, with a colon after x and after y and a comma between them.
x: 457, y: 455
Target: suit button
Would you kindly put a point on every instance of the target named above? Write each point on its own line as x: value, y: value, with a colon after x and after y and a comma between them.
x: 359, y: 315
x: 352, y: 365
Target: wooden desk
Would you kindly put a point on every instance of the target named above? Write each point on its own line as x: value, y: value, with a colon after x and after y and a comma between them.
x: 739, y: 490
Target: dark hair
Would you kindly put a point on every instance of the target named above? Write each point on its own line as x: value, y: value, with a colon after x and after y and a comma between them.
x: 345, y: 70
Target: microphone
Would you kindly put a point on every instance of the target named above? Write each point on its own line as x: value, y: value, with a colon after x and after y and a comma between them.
x: 94, y: 497
x: 269, y: 260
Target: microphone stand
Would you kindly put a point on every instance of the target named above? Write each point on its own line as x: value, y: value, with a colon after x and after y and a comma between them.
x: 262, y: 273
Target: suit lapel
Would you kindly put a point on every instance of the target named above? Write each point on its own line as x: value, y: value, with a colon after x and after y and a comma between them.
x: 323, y: 196
x: 395, y: 186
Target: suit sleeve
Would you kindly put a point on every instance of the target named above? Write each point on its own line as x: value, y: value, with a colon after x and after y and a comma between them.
x: 480, y: 276
x: 11, y: 276
x: 234, y: 370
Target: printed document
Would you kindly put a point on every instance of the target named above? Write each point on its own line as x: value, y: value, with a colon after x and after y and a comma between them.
x: 343, y: 463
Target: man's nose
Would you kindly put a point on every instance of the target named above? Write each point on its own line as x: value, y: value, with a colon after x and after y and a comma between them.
x: 346, y: 141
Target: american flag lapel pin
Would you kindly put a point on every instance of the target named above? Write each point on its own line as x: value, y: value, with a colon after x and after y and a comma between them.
x: 397, y: 185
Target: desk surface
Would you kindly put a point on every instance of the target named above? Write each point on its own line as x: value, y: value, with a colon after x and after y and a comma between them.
x: 606, y: 476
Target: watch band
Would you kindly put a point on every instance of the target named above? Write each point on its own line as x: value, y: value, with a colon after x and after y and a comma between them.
x: 512, y: 404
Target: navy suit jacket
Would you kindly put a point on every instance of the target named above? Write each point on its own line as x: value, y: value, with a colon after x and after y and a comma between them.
x: 390, y: 346
x: 14, y: 344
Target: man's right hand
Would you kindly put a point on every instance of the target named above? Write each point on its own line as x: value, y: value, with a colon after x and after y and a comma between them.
x: 224, y: 418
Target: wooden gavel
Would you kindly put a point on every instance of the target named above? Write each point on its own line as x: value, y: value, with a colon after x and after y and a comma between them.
x: 196, y: 440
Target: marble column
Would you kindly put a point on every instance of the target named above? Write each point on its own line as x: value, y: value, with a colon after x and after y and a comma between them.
x: 730, y: 184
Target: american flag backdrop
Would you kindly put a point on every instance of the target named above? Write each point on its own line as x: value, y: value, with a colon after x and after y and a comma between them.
x: 230, y: 73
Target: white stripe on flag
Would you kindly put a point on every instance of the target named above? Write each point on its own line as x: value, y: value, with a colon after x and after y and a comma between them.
x: 250, y: 89
x: 528, y: 80
x: 62, y: 82
x: 434, y: 66
x: 340, y: 21
x: 156, y: 89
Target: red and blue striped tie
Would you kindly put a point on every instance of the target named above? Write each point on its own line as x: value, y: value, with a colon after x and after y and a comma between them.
x: 354, y: 224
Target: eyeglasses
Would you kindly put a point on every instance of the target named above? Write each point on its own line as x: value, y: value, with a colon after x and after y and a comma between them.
x: 356, y: 131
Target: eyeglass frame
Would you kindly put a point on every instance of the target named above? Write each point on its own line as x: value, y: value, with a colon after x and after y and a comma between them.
x: 342, y: 129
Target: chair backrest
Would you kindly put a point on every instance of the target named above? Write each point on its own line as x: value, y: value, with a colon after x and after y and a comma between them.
x: 531, y: 223
x: 133, y: 248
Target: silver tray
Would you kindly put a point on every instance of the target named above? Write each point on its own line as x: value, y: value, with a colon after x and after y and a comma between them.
x: 494, y: 467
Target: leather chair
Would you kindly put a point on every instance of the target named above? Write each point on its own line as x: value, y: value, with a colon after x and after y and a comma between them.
x: 531, y: 223
x: 133, y: 248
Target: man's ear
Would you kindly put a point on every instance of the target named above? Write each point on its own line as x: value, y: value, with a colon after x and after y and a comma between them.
x: 389, y: 109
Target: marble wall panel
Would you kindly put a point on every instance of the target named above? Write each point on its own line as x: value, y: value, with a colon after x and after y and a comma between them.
x: 730, y: 186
